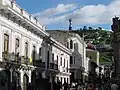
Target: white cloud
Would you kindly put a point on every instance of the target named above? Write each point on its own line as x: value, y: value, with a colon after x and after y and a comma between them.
x: 89, y: 14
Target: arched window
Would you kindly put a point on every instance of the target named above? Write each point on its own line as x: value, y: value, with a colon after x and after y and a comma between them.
x: 6, y: 43
x: 67, y: 44
x: 71, y: 60
x: 71, y: 44
x: 25, y: 82
x: 16, y: 78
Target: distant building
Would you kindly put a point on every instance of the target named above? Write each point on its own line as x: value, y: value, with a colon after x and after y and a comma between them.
x: 93, y: 55
x: 78, y: 47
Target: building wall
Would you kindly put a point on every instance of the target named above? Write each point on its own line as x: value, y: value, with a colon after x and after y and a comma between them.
x: 93, y: 55
x: 79, y: 46
x: 63, y: 64
x: 15, y: 31
x: 78, y: 51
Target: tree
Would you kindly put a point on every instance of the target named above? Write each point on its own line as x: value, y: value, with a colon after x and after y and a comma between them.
x: 85, y: 28
x: 81, y: 29
x: 100, y: 28
x: 90, y: 28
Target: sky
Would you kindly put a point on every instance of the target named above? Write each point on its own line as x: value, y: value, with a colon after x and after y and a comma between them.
x: 54, y: 14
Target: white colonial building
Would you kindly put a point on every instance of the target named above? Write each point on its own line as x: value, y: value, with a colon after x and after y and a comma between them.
x: 27, y: 52
x: 78, y: 47
x: 61, y: 57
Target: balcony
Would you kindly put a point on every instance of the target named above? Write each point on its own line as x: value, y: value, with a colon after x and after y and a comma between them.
x: 11, y: 57
x: 39, y: 63
x: 15, y: 58
x: 53, y: 66
x: 20, y: 11
x: 25, y: 60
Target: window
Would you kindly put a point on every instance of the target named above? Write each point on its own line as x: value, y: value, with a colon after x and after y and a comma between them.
x: 33, y: 53
x: 71, y: 44
x: 67, y: 44
x: 57, y: 59
x: 61, y: 61
x: 6, y: 43
x: 61, y: 79
x: 40, y: 51
x: 48, y: 59
x: 40, y: 55
x: 26, y: 49
x: 64, y: 80
x: 53, y: 57
x: 17, y: 46
x: 67, y: 65
x: 71, y: 60
x: 64, y: 62
x: 74, y: 59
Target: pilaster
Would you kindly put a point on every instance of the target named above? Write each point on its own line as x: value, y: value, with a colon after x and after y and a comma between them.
x: 12, y: 48
x: 21, y: 78
x: 1, y: 40
x: 30, y: 76
x: 22, y: 46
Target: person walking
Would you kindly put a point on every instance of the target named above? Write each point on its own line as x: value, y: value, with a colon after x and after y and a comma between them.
x: 114, y: 86
x: 65, y: 85
x: 80, y: 87
x: 90, y: 87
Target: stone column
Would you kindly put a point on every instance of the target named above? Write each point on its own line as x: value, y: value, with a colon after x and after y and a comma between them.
x: 30, y: 76
x: 1, y: 39
x: 22, y: 46
x: 21, y: 78
x: 12, y: 48
x: 44, y: 53
x: 11, y: 72
x: 51, y: 80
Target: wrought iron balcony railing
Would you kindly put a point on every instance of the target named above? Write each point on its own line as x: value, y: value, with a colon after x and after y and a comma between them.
x: 39, y: 63
x: 15, y: 58
x: 53, y: 66
x: 11, y: 57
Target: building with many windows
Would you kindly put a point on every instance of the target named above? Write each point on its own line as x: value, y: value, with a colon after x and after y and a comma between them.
x: 28, y: 54
x: 78, y: 48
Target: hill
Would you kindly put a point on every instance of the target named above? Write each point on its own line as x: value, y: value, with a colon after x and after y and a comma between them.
x: 102, y: 39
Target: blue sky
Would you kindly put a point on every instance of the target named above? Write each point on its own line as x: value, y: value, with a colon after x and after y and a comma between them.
x: 55, y: 13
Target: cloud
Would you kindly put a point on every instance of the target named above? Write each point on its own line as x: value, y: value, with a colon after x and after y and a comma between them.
x: 53, y: 15
x: 89, y: 14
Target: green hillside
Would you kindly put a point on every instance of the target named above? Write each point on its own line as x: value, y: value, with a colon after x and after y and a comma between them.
x: 102, y: 39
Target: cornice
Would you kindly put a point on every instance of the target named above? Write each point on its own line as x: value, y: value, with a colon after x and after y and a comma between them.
x: 60, y: 46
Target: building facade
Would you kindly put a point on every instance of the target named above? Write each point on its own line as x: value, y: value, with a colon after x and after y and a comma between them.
x: 116, y: 44
x: 61, y: 57
x: 78, y: 47
x: 28, y: 53
x: 93, y: 70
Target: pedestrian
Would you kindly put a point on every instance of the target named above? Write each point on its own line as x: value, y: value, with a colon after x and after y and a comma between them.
x: 90, y: 87
x: 65, y: 85
x: 80, y: 87
x: 58, y: 85
x: 114, y: 86
x: 19, y: 87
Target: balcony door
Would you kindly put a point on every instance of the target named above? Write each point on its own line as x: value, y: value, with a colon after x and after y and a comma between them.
x: 48, y: 58
x: 17, y: 49
x: 6, y: 46
x: 25, y: 82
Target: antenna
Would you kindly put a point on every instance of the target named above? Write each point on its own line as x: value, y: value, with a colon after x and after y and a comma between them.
x: 70, y: 24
